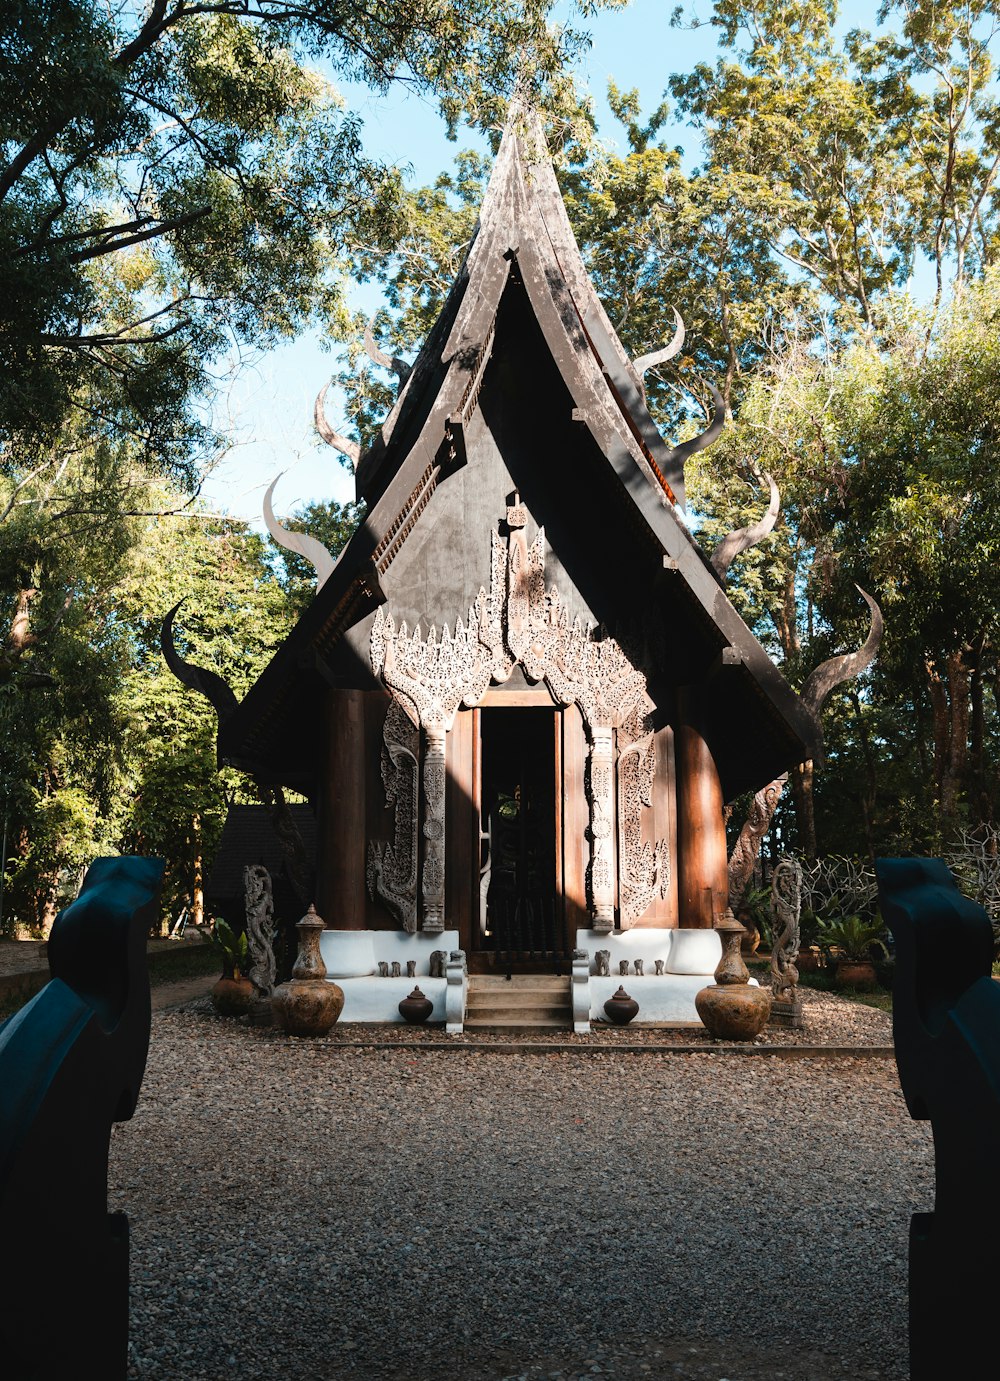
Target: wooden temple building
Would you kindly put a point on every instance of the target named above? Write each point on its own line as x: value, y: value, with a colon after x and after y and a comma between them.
x: 521, y: 697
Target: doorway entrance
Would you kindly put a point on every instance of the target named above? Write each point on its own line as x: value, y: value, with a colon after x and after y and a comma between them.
x: 520, y: 911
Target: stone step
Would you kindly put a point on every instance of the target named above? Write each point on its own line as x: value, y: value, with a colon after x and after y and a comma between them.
x: 531, y: 997
x: 526, y: 1014
x: 519, y: 982
x: 517, y: 1024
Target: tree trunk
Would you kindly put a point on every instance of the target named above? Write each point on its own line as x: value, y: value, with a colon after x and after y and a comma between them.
x: 950, y: 703
x: 982, y: 806
x: 805, y: 808
x: 198, y: 889
x: 869, y: 797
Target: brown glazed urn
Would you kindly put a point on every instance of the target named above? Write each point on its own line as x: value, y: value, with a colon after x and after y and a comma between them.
x: 308, y: 1005
x: 732, y: 1010
x: 416, y: 1008
x: 621, y: 1008
x: 855, y: 973
x: 810, y: 959
x: 233, y: 997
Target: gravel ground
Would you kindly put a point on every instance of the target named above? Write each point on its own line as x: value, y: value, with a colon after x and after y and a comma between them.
x: 312, y: 1210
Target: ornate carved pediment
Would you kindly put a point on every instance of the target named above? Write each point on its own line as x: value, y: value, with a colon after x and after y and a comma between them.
x: 523, y: 622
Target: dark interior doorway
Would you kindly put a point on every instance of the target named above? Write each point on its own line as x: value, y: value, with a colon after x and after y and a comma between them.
x: 520, y: 919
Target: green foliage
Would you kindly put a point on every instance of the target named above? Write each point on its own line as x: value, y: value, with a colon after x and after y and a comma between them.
x: 852, y: 938
x: 231, y: 948
x: 177, y: 176
x: 108, y: 752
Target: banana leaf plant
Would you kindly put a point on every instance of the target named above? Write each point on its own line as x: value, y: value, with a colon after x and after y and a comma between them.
x: 230, y: 947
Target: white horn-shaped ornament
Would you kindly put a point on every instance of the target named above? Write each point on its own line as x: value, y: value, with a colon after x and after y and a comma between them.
x: 666, y: 352
x: 299, y: 542
x: 344, y: 444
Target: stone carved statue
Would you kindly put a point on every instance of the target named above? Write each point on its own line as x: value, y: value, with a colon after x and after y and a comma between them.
x: 383, y: 968
x: 747, y: 847
x: 786, y: 906
x: 439, y: 960
x: 395, y: 971
x: 411, y: 968
x: 260, y: 926
x: 603, y: 958
x: 638, y: 968
x: 622, y: 968
x: 658, y: 963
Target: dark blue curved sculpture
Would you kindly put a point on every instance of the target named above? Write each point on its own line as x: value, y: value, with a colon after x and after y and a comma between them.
x: 71, y: 1063
x: 946, y: 1023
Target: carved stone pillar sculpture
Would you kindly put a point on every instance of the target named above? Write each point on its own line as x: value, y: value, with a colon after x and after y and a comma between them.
x: 432, y: 881
x: 602, y: 814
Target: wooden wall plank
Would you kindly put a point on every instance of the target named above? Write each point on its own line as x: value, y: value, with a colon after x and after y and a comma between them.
x: 341, y: 846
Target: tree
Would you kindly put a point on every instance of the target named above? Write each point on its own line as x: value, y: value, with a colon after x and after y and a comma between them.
x: 113, y: 754
x: 176, y: 177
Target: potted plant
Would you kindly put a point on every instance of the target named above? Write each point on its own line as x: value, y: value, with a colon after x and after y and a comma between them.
x: 754, y: 915
x: 850, y: 943
x: 811, y: 958
x: 233, y: 995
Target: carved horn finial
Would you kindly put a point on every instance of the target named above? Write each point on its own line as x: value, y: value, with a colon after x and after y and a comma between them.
x: 377, y: 356
x: 299, y: 542
x: 207, y: 683
x: 344, y: 444
x: 836, y: 670
x: 744, y: 537
x: 666, y: 352
x: 698, y: 443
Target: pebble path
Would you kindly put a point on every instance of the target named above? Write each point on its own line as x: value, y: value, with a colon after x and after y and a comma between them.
x: 315, y: 1210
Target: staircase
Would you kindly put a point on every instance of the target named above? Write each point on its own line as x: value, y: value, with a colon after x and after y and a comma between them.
x: 525, y: 1002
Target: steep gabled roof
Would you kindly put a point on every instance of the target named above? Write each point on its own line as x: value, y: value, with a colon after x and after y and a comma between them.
x: 523, y: 235
x: 523, y: 209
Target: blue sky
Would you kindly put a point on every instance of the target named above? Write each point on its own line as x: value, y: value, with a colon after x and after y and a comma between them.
x: 267, y: 407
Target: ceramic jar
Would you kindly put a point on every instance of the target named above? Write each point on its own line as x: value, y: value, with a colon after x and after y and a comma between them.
x: 233, y: 997
x: 308, y: 1005
x: 621, y: 1008
x: 416, y: 1008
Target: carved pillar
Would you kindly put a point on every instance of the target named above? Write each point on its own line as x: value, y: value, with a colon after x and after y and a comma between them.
x: 602, y: 814
x: 701, y: 831
x: 432, y: 880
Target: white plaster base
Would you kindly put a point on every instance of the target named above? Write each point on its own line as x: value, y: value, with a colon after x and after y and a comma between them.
x: 670, y: 998
x: 374, y: 1001
x: 665, y: 998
